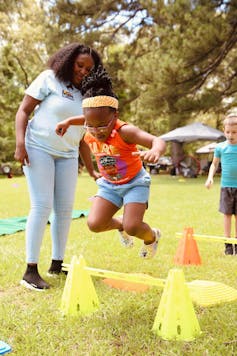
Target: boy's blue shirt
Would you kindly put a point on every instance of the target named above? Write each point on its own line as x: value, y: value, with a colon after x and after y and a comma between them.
x: 227, y: 154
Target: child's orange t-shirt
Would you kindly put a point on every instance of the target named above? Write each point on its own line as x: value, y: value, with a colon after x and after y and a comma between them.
x: 114, y: 156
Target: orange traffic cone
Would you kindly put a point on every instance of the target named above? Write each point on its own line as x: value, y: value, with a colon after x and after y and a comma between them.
x: 187, y: 252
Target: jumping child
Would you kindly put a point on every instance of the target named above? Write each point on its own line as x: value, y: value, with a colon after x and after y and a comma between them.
x: 124, y: 181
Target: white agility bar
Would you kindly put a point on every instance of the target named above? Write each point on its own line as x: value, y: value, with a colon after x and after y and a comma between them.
x: 135, y: 278
x: 210, y: 238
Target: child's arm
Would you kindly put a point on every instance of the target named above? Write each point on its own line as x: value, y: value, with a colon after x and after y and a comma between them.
x: 212, y: 171
x: 62, y: 126
x: 86, y: 158
x: 132, y: 134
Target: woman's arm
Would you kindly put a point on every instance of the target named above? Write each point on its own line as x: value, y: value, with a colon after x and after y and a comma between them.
x: 22, y: 117
x: 132, y: 134
x: 62, y: 126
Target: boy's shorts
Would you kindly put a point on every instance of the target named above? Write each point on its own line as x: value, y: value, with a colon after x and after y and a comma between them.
x: 135, y: 191
x: 228, y: 201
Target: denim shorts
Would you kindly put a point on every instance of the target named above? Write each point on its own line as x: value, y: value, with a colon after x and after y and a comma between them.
x: 228, y: 201
x: 135, y: 191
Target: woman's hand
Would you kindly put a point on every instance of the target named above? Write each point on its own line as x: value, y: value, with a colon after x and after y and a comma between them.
x: 21, y: 154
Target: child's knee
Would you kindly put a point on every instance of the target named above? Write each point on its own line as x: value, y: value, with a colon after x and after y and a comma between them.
x: 131, y: 228
x: 94, y: 226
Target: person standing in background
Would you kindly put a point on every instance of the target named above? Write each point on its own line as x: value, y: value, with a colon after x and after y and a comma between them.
x: 226, y: 153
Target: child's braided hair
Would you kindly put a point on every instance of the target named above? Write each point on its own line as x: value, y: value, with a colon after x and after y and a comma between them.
x: 97, y: 83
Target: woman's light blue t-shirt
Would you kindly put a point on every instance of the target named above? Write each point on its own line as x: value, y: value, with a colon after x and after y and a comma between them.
x: 228, y: 156
x: 58, y: 102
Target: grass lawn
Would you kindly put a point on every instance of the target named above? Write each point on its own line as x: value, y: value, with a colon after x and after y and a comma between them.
x: 31, y: 322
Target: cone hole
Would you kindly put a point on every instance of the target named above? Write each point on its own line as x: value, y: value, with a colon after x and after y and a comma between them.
x: 160, y: 326
x: 78, y: 307
x: 179, y: 329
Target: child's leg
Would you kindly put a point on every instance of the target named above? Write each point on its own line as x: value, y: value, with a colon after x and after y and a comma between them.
x: 235, y: 246
x: 101, y: 216
x: 227, y: 233
x: 227, y: 225
x: 235, y: 225
x: 134, y: 225
x: 133, y: 222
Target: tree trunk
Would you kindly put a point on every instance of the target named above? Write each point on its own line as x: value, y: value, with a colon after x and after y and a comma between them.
x: 177, y: 152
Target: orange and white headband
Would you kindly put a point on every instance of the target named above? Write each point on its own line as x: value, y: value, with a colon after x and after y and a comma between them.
x: 100, y: 100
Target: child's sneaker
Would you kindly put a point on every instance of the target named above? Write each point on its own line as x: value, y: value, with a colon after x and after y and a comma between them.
x: 149, y: 251
x: 235, y: 249
x: 229, y: 249
x: 125, y: 239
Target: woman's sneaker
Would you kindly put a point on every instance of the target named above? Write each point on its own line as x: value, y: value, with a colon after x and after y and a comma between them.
x: 32, y: 279
x: 125, y: 239
x: 56, y: 268
x: 149, y: 251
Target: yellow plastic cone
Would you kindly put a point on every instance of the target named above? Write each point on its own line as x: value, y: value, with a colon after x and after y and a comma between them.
x: 79, y: 295
x: 176, y: 318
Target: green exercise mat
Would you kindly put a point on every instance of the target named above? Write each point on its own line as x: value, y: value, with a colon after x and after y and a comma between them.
x: 12, y: 225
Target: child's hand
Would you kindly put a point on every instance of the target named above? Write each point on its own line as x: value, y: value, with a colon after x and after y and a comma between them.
x: 62, y: 127
x: 95, y: 175
x: 151, y: 156
x: 209, y: 183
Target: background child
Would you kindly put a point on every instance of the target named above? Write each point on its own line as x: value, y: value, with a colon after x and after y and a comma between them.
x: 226, y: 153
x: 124, y: 181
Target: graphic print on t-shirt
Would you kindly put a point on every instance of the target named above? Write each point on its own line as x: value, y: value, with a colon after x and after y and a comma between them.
x: 109, y: 162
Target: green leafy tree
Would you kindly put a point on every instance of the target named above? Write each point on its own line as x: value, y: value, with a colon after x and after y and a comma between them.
x: 183, y: 64
x: 171, y: 61
x: 22, y: 56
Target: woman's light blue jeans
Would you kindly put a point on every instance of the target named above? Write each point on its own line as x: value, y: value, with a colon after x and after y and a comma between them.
x: 51, y: 183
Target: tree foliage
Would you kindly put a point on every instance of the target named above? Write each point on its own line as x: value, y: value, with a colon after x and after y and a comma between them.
x: 171, y: 61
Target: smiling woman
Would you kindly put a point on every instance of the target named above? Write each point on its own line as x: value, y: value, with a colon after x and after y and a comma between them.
x: 82, y: 67
x: 51, y: 162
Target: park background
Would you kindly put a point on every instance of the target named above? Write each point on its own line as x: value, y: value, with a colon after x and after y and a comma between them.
x: 172, y: 63
x: 32, y: 322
